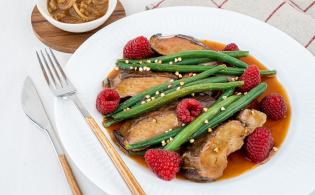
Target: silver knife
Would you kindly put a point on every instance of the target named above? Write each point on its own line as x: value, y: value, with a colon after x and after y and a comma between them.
x: 35, y: 110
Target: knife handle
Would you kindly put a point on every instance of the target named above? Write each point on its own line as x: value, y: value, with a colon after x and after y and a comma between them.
x: 69, y: 175
x: 124, y: 171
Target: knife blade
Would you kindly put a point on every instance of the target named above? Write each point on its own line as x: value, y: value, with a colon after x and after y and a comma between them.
x: 35, y: 110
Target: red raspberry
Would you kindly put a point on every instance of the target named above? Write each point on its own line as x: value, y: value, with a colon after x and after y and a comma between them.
x: 274, y: 106
x: 107, y: 101
x: 231, y: 47
x: 258, y: 144
x: 165, y: 164
x: 251, y: 78
x: 138, y: 48
x: 188, y: 109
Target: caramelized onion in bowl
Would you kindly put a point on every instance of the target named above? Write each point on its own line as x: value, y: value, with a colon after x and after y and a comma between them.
x: 77, y: 11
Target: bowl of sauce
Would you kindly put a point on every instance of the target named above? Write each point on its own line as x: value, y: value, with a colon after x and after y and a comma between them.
x: 76, y: 15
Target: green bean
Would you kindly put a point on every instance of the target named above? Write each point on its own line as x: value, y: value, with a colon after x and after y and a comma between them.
x: 156, y: 103
x: 226, y: 94
x: 194, y: 61
x: 220, y: 56
x: 186, y: 133
x: 160, y: 88
x: 232, y: 109
x: 190, y: 68
x: 155, y: 140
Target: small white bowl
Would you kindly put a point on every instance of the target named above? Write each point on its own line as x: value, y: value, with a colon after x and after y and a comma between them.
x: 76, y: 28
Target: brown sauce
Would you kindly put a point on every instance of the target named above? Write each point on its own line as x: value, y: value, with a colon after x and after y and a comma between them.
x: 77, y: 11
x: 237, y: 163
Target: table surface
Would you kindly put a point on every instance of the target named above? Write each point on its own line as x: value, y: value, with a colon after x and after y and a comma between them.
x: 28, y: 162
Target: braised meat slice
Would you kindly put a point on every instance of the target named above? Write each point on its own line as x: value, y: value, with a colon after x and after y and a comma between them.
x: 167, y: 45
x: 129, y: 83
x: 153, y: 124
x: 206, y: 159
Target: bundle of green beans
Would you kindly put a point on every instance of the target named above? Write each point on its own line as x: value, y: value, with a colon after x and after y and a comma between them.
x: 157, y: 103
x: 221, y: 56
x: 189, y: 68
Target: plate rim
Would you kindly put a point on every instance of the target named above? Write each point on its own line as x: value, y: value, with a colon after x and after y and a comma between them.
x: 158, y: 10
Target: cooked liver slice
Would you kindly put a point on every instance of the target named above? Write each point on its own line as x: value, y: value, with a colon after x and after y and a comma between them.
x: 206, y: 158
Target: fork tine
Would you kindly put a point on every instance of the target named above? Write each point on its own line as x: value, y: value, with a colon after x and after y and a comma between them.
x: 58, y: 65
x: 54, y: 68
x: 48, y: 68
x: 43, y: 69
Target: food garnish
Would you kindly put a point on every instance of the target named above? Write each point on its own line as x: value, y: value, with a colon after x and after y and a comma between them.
x: 251, y: 78
x: 259, y: 144
x: 165, y: 164
x: 188, y: 109
x: 107, y: 101
x: 274, y: 106
x: 138, y: 48
x: 231, y: 47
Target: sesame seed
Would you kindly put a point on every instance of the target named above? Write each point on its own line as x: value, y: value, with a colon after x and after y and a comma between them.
x: 163, y: 143
x: 136, y: 68
x: 157, y: 92
x: 224, y: 97
x: 168, y: 141
x: 246, y: 130
x: 160, y: 62
x: 178, y: 88
x: 140, y: 69
x: 206, y: 121
x: 140, y: 62
x: 232, y: 79
x: 116, y: 68
x: 179, y: 59
x: 191, y: 141
x: 236, y: 78
x: 147, y: 96
x: 180, y: 76
x: 170, y: 62
x: 183, y: 124
x: 239, y: 93
x: 194, y: 74
x: 205, y: 109
x: 216, y: 149
x: 252, y: 111
x: 142, y: 102
x: 130, y: 67
x: 148, y: 68
x: 209, y: 130
x: 166, y: 131
x: 152, y: 98
x: 176, y: 73
x: 148, y: 100
x: 193, y: 94
x: 169, y: 86
x: 172, y: 80
x: 162, y: 94
x: 170, y: 129
x: 176, y: 60
x: 222, y: 108
x: 171, y: 139
x: 181, y: 83
x: 127, y: 61
x: 149, y: 61
x: 245, y: 93
x: 156, y: 61
x: 275, y: 149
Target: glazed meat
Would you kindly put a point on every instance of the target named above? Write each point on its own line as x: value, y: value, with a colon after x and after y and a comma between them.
x: 206, y: 158
x: 130, y: 83
x: 167, y: 45
x: 153, y: 124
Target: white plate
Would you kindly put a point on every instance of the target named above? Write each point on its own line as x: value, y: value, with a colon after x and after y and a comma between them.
x: 290, y: 171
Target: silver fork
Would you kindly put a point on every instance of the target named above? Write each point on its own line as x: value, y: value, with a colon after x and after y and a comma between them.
x: 62, y: 87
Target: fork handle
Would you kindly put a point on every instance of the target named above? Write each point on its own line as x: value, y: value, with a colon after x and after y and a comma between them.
x: 124, y: 171
x: 69, y: 175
